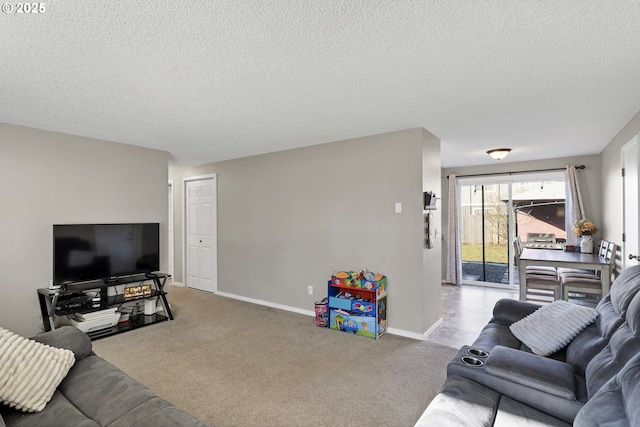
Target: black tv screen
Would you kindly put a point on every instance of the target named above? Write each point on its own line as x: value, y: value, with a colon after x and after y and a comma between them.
x: 86, y: 252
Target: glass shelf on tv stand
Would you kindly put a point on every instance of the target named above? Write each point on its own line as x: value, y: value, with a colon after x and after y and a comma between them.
x: 49, y: 299
x: 134, y: 322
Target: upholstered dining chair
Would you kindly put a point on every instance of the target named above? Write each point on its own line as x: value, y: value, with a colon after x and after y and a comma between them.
x: 586, y: 286
x: 604, y: 246
x: 541, y: 283
x: 533, y: 269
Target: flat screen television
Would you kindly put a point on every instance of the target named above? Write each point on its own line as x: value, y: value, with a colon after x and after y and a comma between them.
x: 89, y: 252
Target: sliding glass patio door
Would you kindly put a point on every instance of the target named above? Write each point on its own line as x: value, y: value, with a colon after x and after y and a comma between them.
x: 485, y: 233
x: 494, y: 210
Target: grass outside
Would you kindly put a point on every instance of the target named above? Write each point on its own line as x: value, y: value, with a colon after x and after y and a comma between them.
x: 493, y: 253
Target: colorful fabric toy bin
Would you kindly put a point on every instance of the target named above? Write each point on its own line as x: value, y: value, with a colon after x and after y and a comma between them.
x: 375, y: 284
x: 338, y: 281
x: 358, y: 325
x: 353, y: 303
x: 358, y: 280
x: 346, y: 278
x: 364, y: 307
x: 357, y: 303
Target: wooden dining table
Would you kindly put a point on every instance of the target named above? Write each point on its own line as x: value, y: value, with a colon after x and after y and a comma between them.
x: 559, y: 258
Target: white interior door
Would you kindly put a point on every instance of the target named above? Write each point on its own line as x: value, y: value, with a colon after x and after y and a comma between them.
x: 630, y: 155
x: 200, y: 221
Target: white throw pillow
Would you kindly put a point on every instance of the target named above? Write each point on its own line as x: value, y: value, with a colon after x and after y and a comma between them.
x: 30, y: 371
x: 553, y: 326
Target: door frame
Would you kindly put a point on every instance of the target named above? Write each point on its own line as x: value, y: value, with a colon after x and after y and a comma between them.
x: 171, y: 227
x: 624, y: 261
x: 498, y: 179
x: 214, y: 226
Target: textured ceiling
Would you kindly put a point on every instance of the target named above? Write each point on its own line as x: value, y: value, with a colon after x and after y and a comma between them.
x: 214, y: 80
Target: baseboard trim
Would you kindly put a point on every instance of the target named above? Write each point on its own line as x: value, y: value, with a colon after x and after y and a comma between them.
x: 178, y: 284
x: 267, y: 303
x: 433, y: 327
x: 312, y: 313
x: 406, y: 334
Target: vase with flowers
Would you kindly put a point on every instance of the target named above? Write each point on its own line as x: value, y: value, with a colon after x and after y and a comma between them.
x: 585, y: 228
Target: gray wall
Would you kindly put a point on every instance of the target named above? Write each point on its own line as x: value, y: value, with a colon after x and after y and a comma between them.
x: 591, y: 183
x: 289, y: 219
x: 51, y: 178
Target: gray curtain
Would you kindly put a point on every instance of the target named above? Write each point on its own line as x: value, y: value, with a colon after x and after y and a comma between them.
x: 454, y: 255
x: 574, y: 209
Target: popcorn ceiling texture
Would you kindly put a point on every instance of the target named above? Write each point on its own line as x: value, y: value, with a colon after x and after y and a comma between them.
x: 212, y: 80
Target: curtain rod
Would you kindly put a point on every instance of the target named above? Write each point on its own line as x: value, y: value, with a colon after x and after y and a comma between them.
x: 511, y: 173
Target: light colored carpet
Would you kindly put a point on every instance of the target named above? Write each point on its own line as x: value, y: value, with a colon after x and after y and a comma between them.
x: 233, y: 363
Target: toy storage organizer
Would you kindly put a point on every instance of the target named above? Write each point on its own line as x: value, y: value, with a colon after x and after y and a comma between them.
x: 358, y: 306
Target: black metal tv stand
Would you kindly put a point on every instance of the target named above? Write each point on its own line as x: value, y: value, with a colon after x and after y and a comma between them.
x: 71, y: 299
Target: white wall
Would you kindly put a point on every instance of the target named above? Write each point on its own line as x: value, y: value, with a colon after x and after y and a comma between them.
x: 51, y: 178
x: 289, y: 219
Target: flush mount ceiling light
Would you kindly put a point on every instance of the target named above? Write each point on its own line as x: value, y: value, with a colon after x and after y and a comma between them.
x: 499, y: 153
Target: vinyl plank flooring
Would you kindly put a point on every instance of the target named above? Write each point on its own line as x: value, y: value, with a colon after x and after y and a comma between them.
x: 466, y: 309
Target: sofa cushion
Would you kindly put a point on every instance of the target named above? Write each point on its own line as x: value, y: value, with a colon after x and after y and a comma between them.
x: 102, y: 391
x: 112, y: 398
x: 613, y: 310
x: 30, y: 371
x: 67, y: 337
x: 462, y: 402
x: 623, y: 345
x: 513, y: 413
x: 59, y: 408
x: 584, y: 347
x: 96, y: 393
x: 624, y: 289
x: 156, y: 412
x: 553, y: 326
x: 616, y: 403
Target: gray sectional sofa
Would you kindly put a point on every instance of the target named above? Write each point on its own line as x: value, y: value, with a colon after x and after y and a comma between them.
x: 95, y: 393
x: 594, y: 380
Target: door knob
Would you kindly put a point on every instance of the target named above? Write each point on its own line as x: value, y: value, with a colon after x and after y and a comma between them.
x: 636, y: 257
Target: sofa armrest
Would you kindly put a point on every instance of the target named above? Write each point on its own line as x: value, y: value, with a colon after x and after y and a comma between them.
x: 545, y: 384
x: 528, y: 370
x: 509, y: 310
x: 69, y: 338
